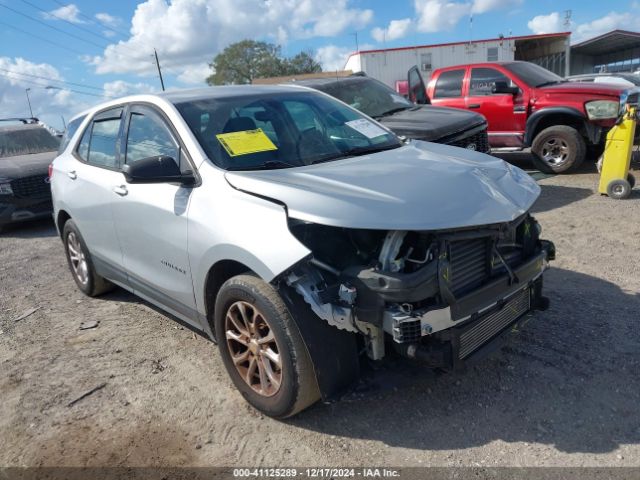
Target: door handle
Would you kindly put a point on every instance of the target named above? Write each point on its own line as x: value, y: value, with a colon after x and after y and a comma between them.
x: 121, y: 190
x: 72, y: 175
x: 474, y: 105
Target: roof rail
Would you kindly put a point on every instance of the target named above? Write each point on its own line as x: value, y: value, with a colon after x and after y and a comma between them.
x: 25, y: 120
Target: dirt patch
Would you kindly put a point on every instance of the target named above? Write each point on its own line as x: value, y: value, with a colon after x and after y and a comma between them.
x: 565, y: 391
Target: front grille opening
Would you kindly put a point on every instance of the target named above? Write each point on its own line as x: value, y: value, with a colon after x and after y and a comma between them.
x: 478, y: 142
x: 33, y: 186
x: 469, y: 261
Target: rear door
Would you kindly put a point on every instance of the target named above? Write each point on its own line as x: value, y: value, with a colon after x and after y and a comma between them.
x: 151, y: 219
x: 417, y: 90
x: 90, y: 177
x: 449, y: 88
x: 505, y: 112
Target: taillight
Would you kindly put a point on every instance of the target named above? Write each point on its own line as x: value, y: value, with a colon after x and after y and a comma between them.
x: 50, y: 170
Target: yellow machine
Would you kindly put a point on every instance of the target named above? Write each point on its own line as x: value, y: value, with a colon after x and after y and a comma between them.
x: 615, y: 179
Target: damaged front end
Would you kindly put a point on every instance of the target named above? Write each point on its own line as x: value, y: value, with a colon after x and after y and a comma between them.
x: 436, y: 296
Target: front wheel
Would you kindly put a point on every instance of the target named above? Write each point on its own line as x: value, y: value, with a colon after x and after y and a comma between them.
x: 262, y: 349
x: 558, y: 149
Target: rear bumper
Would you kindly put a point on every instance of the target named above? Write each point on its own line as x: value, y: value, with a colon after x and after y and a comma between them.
x: 13, y: 210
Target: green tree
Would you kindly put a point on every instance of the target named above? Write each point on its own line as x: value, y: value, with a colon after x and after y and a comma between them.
x: 243, y: 61
x: 301, y: 63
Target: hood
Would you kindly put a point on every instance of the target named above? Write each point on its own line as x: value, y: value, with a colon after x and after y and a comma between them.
x: 419, y: 186
x: 26, y: 165
x: 431, y: 123
x: 583, y: 88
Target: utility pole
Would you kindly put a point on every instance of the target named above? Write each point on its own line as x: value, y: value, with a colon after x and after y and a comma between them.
x: 26, y: 90
x: 355, y: 34
x: 159, y: 70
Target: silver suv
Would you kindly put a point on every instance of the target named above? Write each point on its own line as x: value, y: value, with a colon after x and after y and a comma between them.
x: 298, y: 233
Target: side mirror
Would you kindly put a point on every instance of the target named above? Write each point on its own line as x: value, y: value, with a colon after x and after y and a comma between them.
x: 157, y: 169
x: 504, y: 87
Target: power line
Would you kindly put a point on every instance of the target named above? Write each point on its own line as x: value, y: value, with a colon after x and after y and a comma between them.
x: 83, y: 85
x: 33, y: 35
x: 52, y: 27
x: 87, y: 17
x: 65, y: 20
x: 23, y: 80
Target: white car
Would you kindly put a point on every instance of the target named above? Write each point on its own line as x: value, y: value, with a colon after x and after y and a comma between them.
x: 298, y: 233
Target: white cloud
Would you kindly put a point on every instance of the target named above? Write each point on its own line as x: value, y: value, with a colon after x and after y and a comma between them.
x: 193, y: 31
x: 120, y: 88
x: 47, y: 103
x: 108, y: 20
x: 554, y: 22
x: 483, y: 6
x: 546, y: 23
x: 332, y: 57
x: 396, y: 29
x: 439, y: 15
x: 70, y: 13
x: 611, y: 21
x: 195, y: 74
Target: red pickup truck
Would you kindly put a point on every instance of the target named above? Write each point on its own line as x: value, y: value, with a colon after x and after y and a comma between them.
x: 528, y: 106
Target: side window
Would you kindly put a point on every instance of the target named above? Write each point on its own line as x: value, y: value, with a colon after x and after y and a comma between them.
x: 100, y: 139
x: 303, y: 116
x: 416, y: 87
x: 149, y: 137
x: 484, y: 79
x: 69, y: 132
x: 449, y: 84
x: 83, y: 147
x: 102, y: 148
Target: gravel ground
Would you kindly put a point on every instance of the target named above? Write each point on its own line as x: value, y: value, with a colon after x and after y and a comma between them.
x: 564, y: 392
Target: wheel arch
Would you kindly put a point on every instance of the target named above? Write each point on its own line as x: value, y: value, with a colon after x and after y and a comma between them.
x: 549, y: 117
x: 61, y: 218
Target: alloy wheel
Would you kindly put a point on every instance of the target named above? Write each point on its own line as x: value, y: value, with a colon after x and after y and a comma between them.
x: 77, y: 258
x: 253, y: 348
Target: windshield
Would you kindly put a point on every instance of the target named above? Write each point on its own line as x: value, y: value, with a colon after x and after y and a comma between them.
x: 281, y: 130
x: 367, y: 95
x: 532, y: 74
x: 24, y: 141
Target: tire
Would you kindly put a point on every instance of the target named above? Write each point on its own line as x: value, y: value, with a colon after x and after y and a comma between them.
x: 281, y: 388
x: 632, y: 180
x: 86, y: 278
x: 618, y: 189
x: 558, y: 149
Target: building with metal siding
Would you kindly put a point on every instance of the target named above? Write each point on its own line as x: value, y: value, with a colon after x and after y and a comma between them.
x: 392, y: 64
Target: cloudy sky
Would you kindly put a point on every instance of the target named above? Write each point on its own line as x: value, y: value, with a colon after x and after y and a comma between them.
x: 72, y: 55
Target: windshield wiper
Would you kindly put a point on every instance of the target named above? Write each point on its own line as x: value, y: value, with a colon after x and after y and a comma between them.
x: 391, y: 112
x: 354, y: 152
x: 270, y: 165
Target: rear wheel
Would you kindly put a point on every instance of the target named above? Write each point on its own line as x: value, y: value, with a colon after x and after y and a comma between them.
x: 80, y: 263
x: 262, y: 349
x: 558, y: 149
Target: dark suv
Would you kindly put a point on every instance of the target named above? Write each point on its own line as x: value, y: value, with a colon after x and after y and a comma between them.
x: 27, y: 148
x: 421, y: 122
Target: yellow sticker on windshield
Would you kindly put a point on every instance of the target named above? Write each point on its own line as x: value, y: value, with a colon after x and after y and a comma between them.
x: 245, y: 142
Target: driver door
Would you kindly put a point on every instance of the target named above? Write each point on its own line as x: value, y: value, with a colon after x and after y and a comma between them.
x: 151, y: 218
x: 417, y: 88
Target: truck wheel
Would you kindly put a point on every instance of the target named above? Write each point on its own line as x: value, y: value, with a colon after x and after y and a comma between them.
x: 80, y: 264
x: 262, y: 349
x: 618, y: 189
x: 558, y: 149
